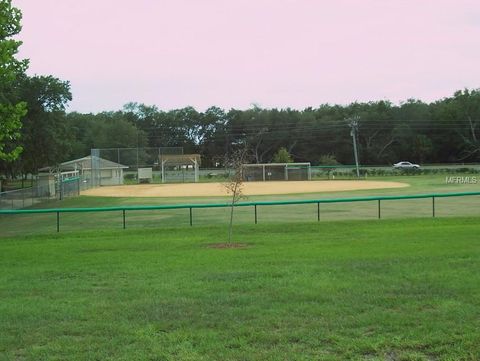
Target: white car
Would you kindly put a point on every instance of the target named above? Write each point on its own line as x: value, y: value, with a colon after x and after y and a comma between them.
x: 405, y: 165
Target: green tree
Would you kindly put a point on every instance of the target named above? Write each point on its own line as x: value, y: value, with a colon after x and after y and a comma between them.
x: 213, y: 145
x: 328, y: 159
x: 11, y: 112
x: 45, y: 137
x: 234, y: 185
x: 463, y: 112
x: 282, y: 156
x: 107, y: 130
x: 422, y: 148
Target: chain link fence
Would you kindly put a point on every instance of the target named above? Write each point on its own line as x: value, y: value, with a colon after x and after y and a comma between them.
x: 181, y: 215
x: 116, y: 166
x: 40, y: 193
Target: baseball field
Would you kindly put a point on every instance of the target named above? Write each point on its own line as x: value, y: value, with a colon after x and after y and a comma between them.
x: 249, y: 188
x: 350, y: 287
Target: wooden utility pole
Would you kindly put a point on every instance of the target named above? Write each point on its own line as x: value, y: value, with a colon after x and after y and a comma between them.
x: 353, y: 132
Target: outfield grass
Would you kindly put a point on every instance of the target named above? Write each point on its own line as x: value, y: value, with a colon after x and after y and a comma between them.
x: 387, y: 290
x: 445, y: 207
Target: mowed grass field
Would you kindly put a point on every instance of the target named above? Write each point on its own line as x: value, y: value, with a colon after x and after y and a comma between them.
x: 445, y: 207
x: 356, y: 290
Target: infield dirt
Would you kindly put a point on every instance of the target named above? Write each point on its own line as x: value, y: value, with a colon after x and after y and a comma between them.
x: 249, y: 188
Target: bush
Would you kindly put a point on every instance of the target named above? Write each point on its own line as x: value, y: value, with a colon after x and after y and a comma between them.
x: 282, y: 156
x: 130, y: 176
x: 328, y: 159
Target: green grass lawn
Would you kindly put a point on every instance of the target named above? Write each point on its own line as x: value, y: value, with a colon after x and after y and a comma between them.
x: 384, y: 290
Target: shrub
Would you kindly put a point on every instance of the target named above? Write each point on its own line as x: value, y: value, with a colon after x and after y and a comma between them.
x: 328, y: 159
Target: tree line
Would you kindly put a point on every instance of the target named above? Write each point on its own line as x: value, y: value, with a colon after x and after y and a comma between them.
x: 37, y: 131
x: 439, y: 132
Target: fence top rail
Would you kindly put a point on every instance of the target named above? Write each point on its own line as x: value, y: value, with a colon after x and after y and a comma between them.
x: 70, y: 180
x: 240, y: 204
x: 16, y: 190
x: 254, y: 165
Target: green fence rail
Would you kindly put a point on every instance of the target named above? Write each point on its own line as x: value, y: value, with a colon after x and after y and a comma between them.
x: 255, y: 205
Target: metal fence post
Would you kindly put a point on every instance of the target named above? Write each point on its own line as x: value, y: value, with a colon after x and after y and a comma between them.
x: 123, y: 211
x: 318, y: 211
x: 191, y: 217
x: 379, y: 210
x: 433, y: 206
x: 58, y: 221
x: 255, y: 214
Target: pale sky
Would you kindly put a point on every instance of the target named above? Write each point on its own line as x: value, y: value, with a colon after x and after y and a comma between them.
x: 274, y: 53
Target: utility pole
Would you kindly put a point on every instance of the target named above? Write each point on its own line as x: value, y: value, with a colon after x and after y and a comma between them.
x: 353, y: 132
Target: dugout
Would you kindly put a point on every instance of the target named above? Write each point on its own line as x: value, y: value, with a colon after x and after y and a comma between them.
x: 276, y: 172
x: 180, y: 168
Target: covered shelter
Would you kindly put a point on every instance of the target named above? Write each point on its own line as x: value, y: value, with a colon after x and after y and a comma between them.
x: 180, y: 167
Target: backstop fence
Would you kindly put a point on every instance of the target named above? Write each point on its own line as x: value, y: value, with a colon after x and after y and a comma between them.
x: 114, y: 166
x: 189, y: 212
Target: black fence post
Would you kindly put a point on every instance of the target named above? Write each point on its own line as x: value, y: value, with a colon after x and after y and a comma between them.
x: 255, y: 214
x: 433, y: 206
x: 318, y: 211
x: 124, y: 224
x: 58, y: 221
x: 191, y: 217
x: 379, y: 210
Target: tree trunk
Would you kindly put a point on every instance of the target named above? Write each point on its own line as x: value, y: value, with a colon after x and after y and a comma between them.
x: 234, y: 196
x: 472, y: 129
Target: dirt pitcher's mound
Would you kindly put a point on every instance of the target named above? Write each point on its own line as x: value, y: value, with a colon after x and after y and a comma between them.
x: 249, y: 188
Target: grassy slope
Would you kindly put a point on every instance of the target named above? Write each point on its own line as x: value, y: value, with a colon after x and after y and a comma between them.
x: 388, y: 290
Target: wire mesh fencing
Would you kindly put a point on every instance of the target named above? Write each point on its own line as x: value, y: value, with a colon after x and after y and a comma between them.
x: 40, y: 194
x: 184, y: 215
x: 24, y: 197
